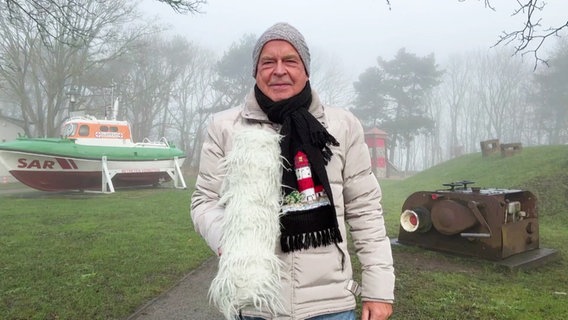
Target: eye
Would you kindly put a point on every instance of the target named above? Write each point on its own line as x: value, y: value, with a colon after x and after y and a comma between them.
x: 267, y: 62
x: 292, y: 61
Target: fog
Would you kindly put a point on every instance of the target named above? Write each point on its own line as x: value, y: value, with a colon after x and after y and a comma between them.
x: 358, y: 34
x: 484, y: 92
x: 463, y: 35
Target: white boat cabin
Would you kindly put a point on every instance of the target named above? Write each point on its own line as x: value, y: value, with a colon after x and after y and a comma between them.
x: 92, y: 131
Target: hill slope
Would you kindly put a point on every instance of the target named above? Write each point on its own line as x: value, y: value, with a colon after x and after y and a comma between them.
x: 433, y: 285
x: 542, y: 170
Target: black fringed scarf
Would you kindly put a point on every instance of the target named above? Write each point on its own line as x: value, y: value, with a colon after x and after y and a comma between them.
x: 311, y: 226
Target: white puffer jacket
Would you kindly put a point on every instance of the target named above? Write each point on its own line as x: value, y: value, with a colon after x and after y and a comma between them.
x: 314, y: 281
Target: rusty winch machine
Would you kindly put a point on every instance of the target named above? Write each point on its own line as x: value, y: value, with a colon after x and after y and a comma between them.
x: 492, y: 224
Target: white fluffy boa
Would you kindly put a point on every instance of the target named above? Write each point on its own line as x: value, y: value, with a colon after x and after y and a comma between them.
x: 249, y: 270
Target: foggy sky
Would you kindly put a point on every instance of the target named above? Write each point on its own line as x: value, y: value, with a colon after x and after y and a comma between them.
x: 357, y: 32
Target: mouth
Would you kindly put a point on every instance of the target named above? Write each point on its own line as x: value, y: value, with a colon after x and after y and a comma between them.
x: 280, y: 85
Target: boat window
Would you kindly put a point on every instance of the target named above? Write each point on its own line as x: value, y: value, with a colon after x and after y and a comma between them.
x: 68, y: 130
x: 104, y: 128
x: 84, y: 130
x: 114, y: 129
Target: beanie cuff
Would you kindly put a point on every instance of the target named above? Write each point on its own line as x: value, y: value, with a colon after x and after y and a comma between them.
x: 286, y: 32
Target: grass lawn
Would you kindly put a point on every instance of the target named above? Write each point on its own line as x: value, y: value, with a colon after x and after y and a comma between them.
x: 100, y: 256
x: 93, y: 256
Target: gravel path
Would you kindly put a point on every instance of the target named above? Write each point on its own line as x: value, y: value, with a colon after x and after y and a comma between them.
x: 187, y: 300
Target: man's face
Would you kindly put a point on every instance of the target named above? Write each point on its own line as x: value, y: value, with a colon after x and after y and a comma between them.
x: 280, y: 72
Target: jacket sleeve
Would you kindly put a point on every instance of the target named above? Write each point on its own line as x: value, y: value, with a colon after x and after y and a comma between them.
x: 364, y: 214
x: 206, y: 213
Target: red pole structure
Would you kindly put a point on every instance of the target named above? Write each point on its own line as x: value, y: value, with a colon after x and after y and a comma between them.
x: 376, y: 141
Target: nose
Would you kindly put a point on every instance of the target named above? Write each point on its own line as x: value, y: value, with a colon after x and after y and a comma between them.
x: 279, y: 69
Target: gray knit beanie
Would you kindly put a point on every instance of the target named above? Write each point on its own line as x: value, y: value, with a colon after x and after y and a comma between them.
x: 282, y: 31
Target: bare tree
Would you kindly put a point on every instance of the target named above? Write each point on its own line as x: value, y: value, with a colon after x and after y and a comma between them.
x: 433, y: 150
x: 484, y: 97
x: 330, y: 81
x: 184, y: 6
x: 457, y: 82
x: 533, y: 34
x: 145, y: 78
x: 549, y: 96
x: 39, y: 70
x: 193, y: 98
x: 498, y: 86
x: 47, y: 16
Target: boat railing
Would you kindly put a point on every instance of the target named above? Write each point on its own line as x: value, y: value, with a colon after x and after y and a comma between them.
x: 83, y: 117
x: 163, y: 142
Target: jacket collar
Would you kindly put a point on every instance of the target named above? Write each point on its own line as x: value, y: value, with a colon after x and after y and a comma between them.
x: 252, y: 111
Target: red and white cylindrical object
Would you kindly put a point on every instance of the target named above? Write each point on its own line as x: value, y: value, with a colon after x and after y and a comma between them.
x: 304, y: 176
x: 319, y: 191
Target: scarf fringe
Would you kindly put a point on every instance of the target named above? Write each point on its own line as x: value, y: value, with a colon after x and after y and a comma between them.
x: 313, y: 239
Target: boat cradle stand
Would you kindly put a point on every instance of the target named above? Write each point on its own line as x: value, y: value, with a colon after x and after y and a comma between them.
x: 174, y: 172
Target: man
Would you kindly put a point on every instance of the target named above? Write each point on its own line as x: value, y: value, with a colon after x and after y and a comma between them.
x: 326, y: 182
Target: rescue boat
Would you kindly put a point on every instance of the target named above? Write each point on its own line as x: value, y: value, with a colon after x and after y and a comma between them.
x: 92, y: 154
